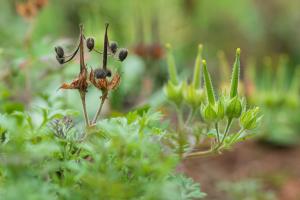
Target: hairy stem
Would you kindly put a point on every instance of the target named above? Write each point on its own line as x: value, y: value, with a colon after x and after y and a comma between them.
x: 217, y: 129
x: 82, y: 96
x: 104, y: 96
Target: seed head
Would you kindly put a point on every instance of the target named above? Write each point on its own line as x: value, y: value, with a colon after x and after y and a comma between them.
x: 123, y: 54
x: 113, y: 47
x: 90, y: 44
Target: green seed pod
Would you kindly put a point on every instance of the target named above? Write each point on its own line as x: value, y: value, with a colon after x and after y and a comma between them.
x: 174, y: 92
x: 208, y: 85
x: 249, y: 119
x: 59, y: 51
x: 90, y: 43
x: 192, y: 96
x: 220, y: 109
x: 122, y: 54
x: 171, y: 65
x: 208, y: 113
x: 113, y: 46
x: 197, y: 68
x: 235, y: 74
x: 234, y: 108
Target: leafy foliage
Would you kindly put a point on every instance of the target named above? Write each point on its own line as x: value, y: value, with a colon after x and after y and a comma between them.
x: 119, y: 158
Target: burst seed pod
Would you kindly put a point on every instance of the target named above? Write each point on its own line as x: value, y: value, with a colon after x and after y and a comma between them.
x: 122, y: 54
x: 90, y: 44
x: 113, y: 46
x: 59, y: 51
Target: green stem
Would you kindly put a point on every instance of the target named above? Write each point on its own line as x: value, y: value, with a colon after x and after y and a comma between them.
x: 224, y: 135
x: 200, y: 153
x: 98, y: 111
x: 217, y: 129
x: 82, y: 96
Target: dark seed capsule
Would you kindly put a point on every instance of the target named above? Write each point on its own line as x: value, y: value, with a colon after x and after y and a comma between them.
x: 113, y: 47
x: 123, y: 54
x: 100, y: 73
x: 59, y: 51
x: 60, y: 60
x: 108, y: 73
x: 90, y: 43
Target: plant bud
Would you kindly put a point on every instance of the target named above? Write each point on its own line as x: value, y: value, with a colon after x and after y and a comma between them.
x: 61, y: 60
x: 59, y: 51
x: 113, y: 46
x: 234, y: 108
x: 90, y: 44
x: 249, y: 119
x: 208, y: 113
x: 122, y: 54
x: 174, y: 92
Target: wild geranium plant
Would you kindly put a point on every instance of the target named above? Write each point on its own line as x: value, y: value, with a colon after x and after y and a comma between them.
x: 210, y: 117
x: 98, y: 77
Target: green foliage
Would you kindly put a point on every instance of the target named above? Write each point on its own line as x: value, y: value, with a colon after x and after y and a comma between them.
x: 119, y: 158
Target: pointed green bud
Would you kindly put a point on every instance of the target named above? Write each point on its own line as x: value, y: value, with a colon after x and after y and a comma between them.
x: 192, y: 96
x: 235, y: 74
x: 208, y: 113
x: 220, y: 109
x: 234, y: 108
x: 249, y: 119
x: 208, y: 84
x: 197, y: 68
x: 171, y: 65
x: 174, y: 92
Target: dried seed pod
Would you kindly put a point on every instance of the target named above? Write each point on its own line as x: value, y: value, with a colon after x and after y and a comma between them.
x: 59, y: 51
x: 90, y: 44
x: 61, y: 60
x: 123, y: 54
x: 100, y: 73
x: 108, y: 73
x: 113, y: 46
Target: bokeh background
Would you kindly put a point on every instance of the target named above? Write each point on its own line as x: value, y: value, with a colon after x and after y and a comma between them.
x: 266, y: 31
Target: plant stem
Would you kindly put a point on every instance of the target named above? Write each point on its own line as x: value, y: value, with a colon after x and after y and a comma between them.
x: 200, y: 153
x: 82, y: 96
x: 217, y: 129
x: 225, y: 133
x: 100, y: 108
